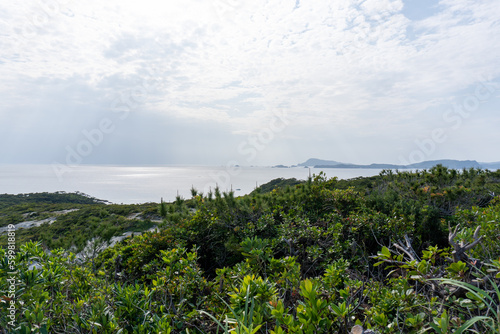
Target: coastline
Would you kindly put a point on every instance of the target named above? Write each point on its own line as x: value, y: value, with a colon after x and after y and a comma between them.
x: 140, y: 184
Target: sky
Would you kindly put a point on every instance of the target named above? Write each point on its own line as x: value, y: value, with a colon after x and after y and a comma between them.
x: 262, y: 82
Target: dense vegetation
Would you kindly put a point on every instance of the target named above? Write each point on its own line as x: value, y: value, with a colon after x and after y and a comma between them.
x: 16, y: 208
x: 276, y: 184
x: 7, y: 200
x: 71, y: 220
x: 399, y: 252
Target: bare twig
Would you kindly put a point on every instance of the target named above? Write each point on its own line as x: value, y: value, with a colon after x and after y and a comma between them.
x: 460, y: 249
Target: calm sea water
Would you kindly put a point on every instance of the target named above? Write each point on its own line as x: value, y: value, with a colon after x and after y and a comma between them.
x: 124, y: 184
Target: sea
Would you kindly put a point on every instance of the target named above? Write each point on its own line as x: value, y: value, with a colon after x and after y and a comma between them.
x: 143, y: 184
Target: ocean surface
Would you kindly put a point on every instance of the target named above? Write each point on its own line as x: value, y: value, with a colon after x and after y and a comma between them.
x: 128, y: 185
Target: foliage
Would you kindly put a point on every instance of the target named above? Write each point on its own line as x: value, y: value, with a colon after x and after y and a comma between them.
x: 280, y: 183
x: 60, y: 197
x: 72, y: 224
x: 401, y: 252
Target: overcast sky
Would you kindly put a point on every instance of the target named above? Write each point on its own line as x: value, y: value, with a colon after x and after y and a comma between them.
x: 258, y: 82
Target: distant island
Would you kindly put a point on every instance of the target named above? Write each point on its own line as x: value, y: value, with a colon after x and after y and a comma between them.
x: 449, y: 163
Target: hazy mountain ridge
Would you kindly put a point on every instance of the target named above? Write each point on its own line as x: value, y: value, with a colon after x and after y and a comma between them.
x: 449, y: 163
x: 314, y: 162
x: 490, y: 165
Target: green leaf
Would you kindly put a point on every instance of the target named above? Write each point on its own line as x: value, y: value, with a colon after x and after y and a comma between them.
x: 422, y: 267
x: 471, y: 322
x: 386, y: 252
x: 256, y: 329
x: 25, y: 329
x: 478, y: 293
x: 435, y: 327
x: 43, y: 329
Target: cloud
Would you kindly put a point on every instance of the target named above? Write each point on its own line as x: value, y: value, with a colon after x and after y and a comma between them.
x: 363, y: 70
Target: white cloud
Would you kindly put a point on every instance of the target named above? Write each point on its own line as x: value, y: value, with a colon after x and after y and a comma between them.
x: 344, y: 66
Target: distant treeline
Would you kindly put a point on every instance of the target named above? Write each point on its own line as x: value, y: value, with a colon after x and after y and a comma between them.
x: 277, y: 184
x: 7, y: 200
